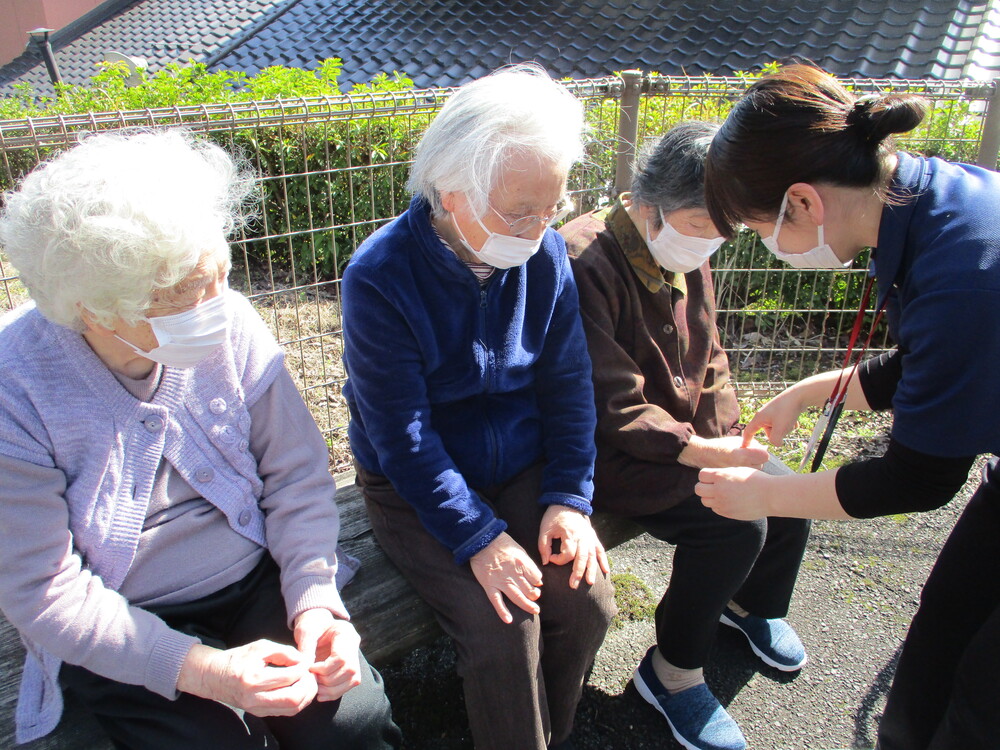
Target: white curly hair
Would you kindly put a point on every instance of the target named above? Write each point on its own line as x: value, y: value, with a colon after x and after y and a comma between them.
x: 104, y: 225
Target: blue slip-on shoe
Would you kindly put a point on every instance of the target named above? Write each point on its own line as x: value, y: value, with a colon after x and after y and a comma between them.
x: 774, y: 641
x: 697, y: 720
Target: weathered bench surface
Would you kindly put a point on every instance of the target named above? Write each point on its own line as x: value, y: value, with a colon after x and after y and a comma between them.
x: 391, y: 618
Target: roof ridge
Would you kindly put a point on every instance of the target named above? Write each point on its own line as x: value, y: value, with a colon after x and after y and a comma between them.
x: 88, y: 21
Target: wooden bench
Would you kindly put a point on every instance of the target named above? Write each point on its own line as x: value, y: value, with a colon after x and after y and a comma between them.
x: 391, y: 618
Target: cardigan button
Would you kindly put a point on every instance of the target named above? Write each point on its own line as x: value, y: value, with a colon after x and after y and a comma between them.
x: 667, y: 328
x: 244, y: 518
x: 678, y: 381
x: 227, y: 435
x: 217, y: 405
x: 204, y: 474
x: 153, y: 424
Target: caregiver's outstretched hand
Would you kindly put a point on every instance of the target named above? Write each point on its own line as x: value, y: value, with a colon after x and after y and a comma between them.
x: 736, y: 492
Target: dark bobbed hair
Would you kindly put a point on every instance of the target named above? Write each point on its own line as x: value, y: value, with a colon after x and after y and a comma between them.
x: 800, y: 125
x: 671, y: 171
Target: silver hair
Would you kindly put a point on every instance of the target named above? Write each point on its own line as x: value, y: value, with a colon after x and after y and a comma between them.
x: 513, y: 111
x: 670, y: 174
x: 105, y: 224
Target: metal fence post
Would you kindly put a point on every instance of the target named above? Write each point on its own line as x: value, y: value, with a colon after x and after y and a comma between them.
x: 989, y: 146
x: 628, y: 129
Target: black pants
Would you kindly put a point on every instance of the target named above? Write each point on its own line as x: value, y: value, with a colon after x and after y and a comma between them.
x: 754, y: 563
x: 946, y: 691
x: 243, y: 612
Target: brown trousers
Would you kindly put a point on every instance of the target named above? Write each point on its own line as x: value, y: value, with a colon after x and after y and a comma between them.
x: 522, y: 681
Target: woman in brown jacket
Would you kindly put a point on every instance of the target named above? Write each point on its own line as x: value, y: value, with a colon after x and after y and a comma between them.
x: 665, y: 409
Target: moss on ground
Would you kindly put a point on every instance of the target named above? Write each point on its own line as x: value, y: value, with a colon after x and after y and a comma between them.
x: 634, y: 598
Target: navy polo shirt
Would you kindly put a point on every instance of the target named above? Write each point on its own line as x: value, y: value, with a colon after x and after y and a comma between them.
x: 938, y: 261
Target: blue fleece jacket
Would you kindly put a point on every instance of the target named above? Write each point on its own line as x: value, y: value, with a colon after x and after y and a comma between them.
x: 454, y: 386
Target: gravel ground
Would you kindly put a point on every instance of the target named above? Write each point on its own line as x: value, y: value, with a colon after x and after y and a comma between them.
x: 858, y: 589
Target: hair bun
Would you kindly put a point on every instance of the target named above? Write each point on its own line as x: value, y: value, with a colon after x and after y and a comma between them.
x: 876, y: 117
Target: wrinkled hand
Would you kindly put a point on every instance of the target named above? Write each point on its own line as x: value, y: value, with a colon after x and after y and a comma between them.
x: 776, y: 418
x: 578, y: 543
x: 332, y: 646
x: 721, y: 452
x: 262, y: 678
x: 739, y: 493
x: 504, y: 569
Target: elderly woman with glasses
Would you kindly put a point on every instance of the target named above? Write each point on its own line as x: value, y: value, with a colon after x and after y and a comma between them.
x: 665, y: 409
x: 472, y: 417
x: 167, y: 554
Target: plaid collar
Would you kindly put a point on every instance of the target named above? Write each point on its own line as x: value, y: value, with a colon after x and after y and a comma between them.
x: 645, y: 267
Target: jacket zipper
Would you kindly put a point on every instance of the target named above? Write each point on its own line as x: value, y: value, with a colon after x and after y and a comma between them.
x: 490, y: 432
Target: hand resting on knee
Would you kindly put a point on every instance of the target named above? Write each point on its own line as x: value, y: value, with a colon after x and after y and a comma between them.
x: 504, y: 569
x: 578, y: 543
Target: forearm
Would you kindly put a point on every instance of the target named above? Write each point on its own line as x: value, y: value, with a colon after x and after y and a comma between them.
x: 626, y: 421
x: 59, y: 605
x: 568, y: 422
x: 643, y: 431
x: 108, y: 637
x: 722, y: 452
x: 815, y: 390
x: 298, y: 498
x: 901, y: 481
x: 200, y: 669
x: 805, y: 496
x: 568, y: 477
x: 747, y: 494
x: 413, y: 458
x: 428, y: 479
x: 565, y: 397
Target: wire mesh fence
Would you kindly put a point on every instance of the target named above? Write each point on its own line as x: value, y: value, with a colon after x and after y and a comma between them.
x: 334, y: 169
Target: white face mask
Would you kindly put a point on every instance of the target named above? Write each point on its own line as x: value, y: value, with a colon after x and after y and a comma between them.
x: 679, y: 252
x: 185, y: 339
x: 501, y: 250
x: 821, y: 256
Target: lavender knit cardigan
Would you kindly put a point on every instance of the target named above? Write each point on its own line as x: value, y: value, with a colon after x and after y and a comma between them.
x: 61, y: 407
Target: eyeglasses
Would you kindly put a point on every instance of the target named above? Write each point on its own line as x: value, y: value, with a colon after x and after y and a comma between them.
x: 524, y: 224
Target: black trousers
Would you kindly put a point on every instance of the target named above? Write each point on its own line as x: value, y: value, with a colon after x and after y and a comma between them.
x: 946, y: 691
x: 754, y: 563
x: 243, y: 612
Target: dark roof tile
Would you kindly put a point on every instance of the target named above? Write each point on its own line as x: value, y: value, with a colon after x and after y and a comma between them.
x: 448, y: 42
x: 161, y: 31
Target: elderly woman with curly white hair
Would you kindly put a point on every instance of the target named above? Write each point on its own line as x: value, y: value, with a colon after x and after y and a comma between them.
x: 162, y: 540
x: 472, y: 410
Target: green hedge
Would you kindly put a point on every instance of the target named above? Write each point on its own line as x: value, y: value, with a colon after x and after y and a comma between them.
x: 345, y: 177
x: 338, y: 178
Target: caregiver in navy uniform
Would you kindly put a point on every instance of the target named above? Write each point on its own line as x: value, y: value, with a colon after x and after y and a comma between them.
x: 814, y: 171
